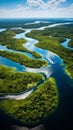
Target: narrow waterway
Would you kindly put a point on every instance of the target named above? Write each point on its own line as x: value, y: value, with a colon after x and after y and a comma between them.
x: 30, y: 45
x: 55, y: 68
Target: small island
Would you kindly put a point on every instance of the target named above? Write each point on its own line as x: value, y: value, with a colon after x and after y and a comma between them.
x: 12, y: 81
x: 37, y: 106
x: 8, y: 38
x: 58, y: 35
x: 32, y: 91
x: 23, y: 59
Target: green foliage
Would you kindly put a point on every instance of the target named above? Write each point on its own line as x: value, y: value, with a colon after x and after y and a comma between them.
x: 20, y: 23
x: 36, y: 106
x: 51, y: 38
x: 36, y: 25
x: 71, y: 42
x: 6, y: 38
x: 14, y: 82
x: 23, y: 59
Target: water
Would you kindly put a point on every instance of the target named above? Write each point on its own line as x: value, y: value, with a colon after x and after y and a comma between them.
x: 3, y: 29
x: 63, y: 116
x: 9, y: 63
x: 65, y: 44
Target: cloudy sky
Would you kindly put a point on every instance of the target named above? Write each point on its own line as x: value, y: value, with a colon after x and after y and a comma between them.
x: 36, y: 8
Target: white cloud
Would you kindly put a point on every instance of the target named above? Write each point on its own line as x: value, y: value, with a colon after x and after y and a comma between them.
x: 26, y: 12
x: 45, y: 5
x: 35, y: 3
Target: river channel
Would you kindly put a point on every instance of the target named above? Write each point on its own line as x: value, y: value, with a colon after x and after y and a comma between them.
x: 55, y: 68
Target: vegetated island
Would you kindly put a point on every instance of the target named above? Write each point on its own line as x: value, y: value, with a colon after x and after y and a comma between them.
x: 7, y: 38
x: 23, y: 59
x: 50, y: 39
x: 36, y: 107
x: 12, y: 81
x: 28, y: 111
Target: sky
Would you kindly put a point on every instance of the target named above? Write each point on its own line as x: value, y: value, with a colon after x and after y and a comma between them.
x: 36, y: 8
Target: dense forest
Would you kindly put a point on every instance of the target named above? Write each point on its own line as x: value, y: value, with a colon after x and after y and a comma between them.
x: 37, y: 106
x: 12, y: 81
x: 7, y: 38
x: 23, y: 59
x: 24, y: 24
x: 50, y: 39
x: 42, y: 102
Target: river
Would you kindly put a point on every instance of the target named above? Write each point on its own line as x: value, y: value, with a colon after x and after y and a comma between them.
x: 30, y: 45
x: 55, y: 69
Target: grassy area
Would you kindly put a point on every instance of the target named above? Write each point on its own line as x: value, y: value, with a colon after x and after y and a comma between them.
x: 51, y: 38
x: 6, y: 38
x: 23, y: 59
x: 40, y: 104
x: 14, y: 82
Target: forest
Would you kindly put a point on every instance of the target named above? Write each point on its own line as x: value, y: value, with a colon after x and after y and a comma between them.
x: 23, y: 59
x: 7, y: 38
x: 44, y: 101
x: 23, y: 24
x: 39, y: 105
x: 12, y: 81
x: 51, y: 39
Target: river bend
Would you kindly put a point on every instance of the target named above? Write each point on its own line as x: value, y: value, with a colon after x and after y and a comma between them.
x: 53, y: 60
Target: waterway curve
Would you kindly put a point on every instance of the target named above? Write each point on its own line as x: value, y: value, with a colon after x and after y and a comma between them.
x: 48, y: 55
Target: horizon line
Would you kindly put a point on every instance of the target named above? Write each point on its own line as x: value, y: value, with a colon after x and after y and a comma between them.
x: 38, y: 18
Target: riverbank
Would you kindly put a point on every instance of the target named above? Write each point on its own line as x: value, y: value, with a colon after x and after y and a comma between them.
x: 12, y: 81
x: 53, y: 43
x: 29, y: 111
x: 43, y: 102
x: 8, y: 38
x: 23, y: 59
x: 68, y: 73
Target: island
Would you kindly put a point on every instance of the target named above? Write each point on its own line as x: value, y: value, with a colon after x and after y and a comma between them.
x: 51, y: 39
x: 36, y: 107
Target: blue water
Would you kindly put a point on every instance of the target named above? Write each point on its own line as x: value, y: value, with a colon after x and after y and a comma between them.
x: 65, y: 44
x: 63, y: 116
x: 9, y: 63
x: 3, y: 29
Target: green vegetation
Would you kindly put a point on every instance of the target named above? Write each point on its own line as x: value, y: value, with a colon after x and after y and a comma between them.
x: 51, y: 38
x: 71, y: 42
x: 36, y: 106
x: 6, y: 38
x: 35, y: 25
x: 19, y: 23
x: 23, y: 59
x: 35, y: 54
x: 14, y: 82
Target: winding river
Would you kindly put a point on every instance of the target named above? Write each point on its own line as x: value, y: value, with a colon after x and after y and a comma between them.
x: 55, y: 68
x: 53, y: 60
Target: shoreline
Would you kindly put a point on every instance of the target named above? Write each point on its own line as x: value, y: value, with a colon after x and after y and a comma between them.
x: 68, y: 73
